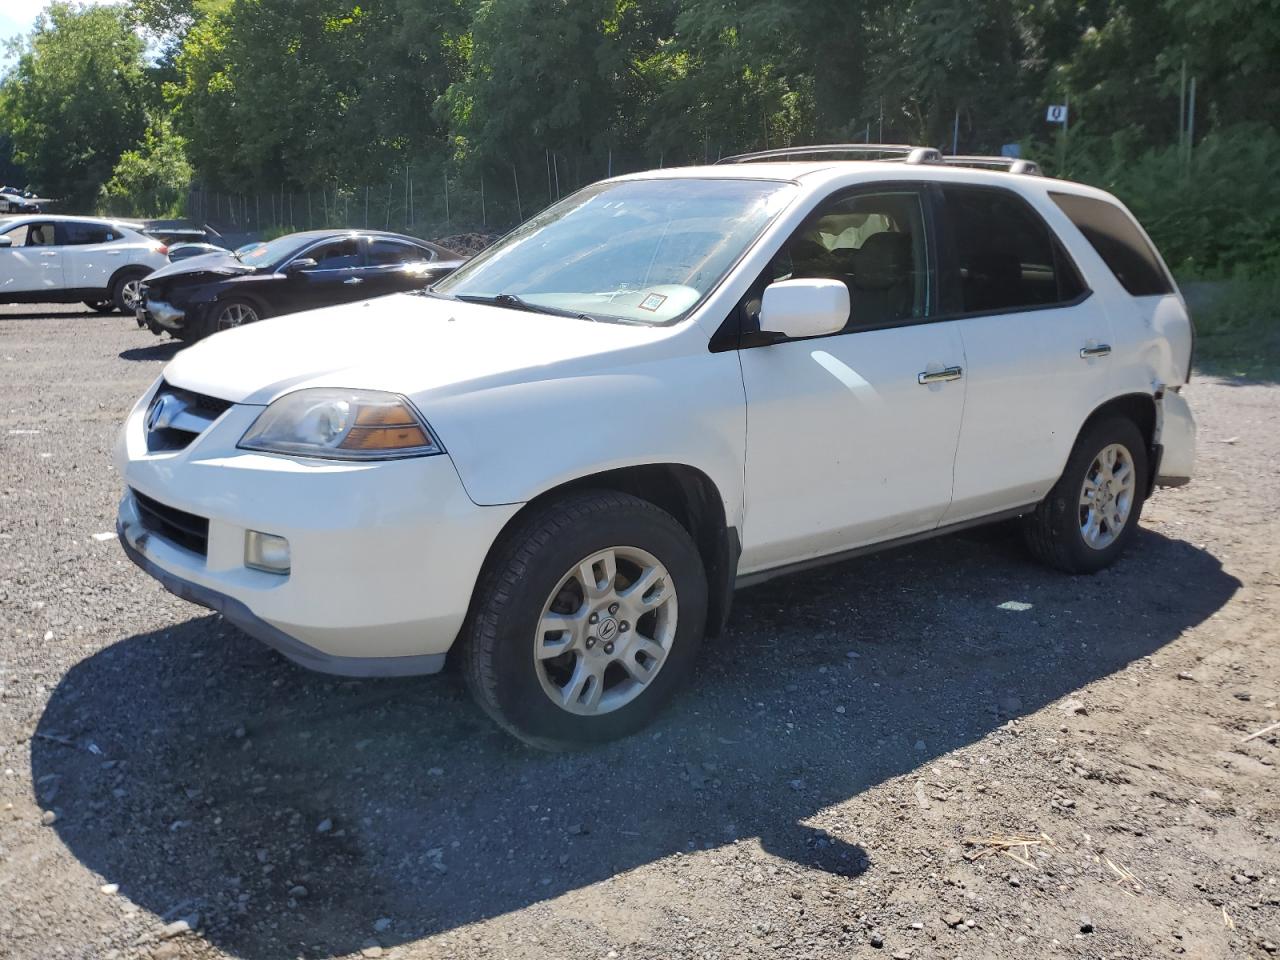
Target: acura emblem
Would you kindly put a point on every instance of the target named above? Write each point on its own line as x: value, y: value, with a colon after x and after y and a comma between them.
x: 162, y: 413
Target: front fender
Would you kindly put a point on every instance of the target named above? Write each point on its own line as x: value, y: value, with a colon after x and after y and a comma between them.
x: 512, y: 442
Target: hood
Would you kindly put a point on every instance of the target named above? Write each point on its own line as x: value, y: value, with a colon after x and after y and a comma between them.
x: 222, y: 262
x: 407, y: 344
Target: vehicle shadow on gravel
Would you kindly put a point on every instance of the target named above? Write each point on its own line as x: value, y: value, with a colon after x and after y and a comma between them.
x: 303, y: 815
x: 164, y: 350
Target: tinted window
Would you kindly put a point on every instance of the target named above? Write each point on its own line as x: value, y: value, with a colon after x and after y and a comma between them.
x: 872, y: 243
x: 337, y: 255
x: 384, y: 252
x: 1004, y: 257
x: 80, y: 233
x: 1118, y: 242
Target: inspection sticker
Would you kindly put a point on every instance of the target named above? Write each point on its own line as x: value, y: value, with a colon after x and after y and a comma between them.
x: 652, y: 302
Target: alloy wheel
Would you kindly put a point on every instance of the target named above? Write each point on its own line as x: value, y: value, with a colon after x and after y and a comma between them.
x: 605, y: 631
x: 131, y: 293
x: 235, y: 315
x: 1107, y: 496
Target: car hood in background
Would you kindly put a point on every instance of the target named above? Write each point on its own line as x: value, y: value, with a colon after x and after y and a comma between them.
x: 404, y: 343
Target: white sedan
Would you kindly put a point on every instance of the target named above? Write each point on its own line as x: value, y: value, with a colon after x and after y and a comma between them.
x: 559, y: 463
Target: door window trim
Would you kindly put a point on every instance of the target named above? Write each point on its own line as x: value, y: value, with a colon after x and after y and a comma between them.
x: 733, y: 333
x: 302, y: 255
x: 948, y: 257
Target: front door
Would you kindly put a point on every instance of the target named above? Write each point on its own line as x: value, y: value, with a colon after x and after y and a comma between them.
x: 33, y: 262
x: 851, y: 438
x: 336, y: 277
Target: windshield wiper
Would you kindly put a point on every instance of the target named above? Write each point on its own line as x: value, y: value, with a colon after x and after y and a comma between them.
x: 517, y: 303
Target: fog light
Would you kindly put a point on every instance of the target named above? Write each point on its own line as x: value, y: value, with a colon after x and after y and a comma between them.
x: 266, y: 552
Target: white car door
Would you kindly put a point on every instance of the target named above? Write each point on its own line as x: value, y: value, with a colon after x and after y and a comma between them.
x: 33, y: 261
x: 1037, y: 345
x: 92, y: 253
x: 851, y: 438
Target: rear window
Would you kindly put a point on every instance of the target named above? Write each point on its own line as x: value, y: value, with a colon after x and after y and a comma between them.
x: 82, y: 233
x: 1118, y: 242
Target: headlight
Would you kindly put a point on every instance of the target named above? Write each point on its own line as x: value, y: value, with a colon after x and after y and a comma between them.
x: 341, y: 425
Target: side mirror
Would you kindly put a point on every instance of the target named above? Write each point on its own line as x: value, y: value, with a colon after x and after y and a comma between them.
x: 6, y: 241
x: 804, y: 308
x: 301, y: 266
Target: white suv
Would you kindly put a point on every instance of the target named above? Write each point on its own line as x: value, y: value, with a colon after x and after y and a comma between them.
x: 563, y: 459
x: 48, y: 259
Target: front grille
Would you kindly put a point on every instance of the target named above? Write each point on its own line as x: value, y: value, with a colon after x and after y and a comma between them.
x: 185, y: 529
x: 176, y: 417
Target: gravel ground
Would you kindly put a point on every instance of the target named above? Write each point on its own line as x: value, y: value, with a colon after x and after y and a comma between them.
x: 832, y: 785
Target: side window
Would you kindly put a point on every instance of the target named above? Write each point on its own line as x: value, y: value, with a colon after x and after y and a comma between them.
x: 1003, y: 256
x: 40, y: 235
x: 78, y: 234
x: 337, y: 255
x: 1118, y: 242
x: 18, y: 236
x: 384, y: 253
x: 874, y: 243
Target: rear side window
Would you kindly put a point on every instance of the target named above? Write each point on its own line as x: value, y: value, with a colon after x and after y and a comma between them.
x: 389, y: 252
x: 1004, y: 257
x: 1118, y: 242
x: 81, y: 233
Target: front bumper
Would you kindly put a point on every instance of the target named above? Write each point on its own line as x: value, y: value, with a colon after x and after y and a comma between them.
x: 159, y: 316
x: 384, y: 555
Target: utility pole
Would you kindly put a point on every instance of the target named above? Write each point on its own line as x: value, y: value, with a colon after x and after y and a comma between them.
x: 955, y: 134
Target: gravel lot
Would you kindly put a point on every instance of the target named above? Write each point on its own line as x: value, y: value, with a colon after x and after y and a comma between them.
x: 169, y: 788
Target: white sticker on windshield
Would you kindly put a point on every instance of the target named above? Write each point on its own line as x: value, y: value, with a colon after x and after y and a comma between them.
x: 652, y: 302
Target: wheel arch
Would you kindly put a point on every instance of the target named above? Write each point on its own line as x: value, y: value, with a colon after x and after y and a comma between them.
x: 1141, y: 409
x: 685, y: 492
x: 141, y: 271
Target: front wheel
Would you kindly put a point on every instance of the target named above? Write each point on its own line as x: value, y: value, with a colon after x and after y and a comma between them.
x: 1092, y: 512
x: 586, y: 621
x: 227, y: 315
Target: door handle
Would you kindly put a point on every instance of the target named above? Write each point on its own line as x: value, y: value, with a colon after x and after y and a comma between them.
x: 1101, y: 350
x: 352, y: 282
x: 939, y: 376
x: 48, y: 254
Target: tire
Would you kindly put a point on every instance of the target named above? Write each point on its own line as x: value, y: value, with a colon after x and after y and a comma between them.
x: 226, y: 314
x: 123, y: 289
x: 102, y: 306
x: 534, y: 570
x: 1064, y: 532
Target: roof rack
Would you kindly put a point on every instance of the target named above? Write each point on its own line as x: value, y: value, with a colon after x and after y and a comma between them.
x: 887, y: 151
x: 1010, y: 164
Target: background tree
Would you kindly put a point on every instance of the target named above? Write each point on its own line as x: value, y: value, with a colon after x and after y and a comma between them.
x: 76, y: 99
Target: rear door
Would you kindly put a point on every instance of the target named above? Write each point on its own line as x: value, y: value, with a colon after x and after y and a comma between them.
x: 395, y: 266
x: 92, y: 253
x: 1037, y: 343
x: 34, y: 261
x: 851, y: 438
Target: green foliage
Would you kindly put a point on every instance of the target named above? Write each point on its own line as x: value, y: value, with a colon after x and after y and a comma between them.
x: 75, y: 100
x: 1214, y: 214
x: 151, y: 180
x: 1236, y: 329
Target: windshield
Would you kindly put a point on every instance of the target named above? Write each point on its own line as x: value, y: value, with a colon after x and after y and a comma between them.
x: 643, y: 251
x: 271, y: 252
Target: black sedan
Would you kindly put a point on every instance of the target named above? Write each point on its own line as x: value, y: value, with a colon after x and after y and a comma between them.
x: 193, y: 298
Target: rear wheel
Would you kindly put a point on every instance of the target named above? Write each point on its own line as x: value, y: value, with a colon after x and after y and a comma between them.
x: 586, y: 622
x: 102, y: 306
x: 126, y: 292
x: 1092, y: 512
